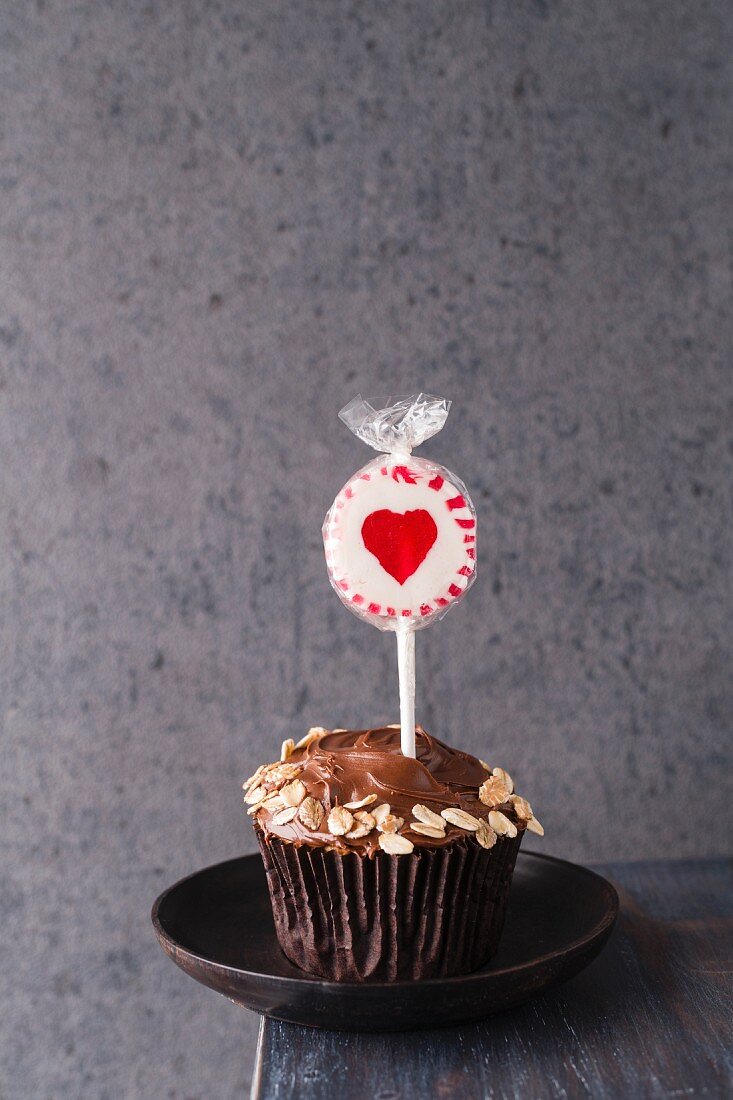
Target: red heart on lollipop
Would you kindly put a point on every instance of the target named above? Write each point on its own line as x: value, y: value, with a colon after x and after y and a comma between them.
x: 399, y: 542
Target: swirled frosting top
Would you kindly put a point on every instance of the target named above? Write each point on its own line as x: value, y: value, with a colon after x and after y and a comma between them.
x: 353, y: 790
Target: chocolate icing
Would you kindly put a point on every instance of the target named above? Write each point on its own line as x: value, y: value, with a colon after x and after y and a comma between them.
x: 346, y: 765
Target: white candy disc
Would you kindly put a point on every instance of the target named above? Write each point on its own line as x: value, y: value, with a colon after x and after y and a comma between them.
x: 400, y: 541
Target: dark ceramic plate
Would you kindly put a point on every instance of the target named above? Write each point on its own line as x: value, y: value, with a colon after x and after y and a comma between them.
x: 217, y: 926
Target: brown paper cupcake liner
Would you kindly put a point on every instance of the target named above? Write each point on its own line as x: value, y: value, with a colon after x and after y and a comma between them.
x: 432, y: 913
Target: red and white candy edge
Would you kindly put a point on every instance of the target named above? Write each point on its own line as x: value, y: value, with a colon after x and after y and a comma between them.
x: 400, y: 537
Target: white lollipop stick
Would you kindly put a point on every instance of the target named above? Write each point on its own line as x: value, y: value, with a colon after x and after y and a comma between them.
x: 406, y: 671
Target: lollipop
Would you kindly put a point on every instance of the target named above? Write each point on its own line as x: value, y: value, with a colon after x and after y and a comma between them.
x: 400, y: 537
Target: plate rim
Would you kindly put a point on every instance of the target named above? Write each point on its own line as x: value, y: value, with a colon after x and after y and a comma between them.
x: 603, y: 927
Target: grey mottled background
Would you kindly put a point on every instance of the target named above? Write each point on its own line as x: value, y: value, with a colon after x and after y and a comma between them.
x: 218, y: 222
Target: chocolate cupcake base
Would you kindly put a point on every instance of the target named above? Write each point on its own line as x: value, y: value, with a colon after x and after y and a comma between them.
x: 350, y: 917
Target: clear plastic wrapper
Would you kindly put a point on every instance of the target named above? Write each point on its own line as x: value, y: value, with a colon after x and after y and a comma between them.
x: 399, y: 425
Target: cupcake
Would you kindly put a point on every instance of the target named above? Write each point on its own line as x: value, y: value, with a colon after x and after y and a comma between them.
x: 383, y: 867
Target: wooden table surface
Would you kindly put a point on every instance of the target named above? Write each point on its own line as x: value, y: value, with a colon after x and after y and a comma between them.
x: 651, y: 1017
